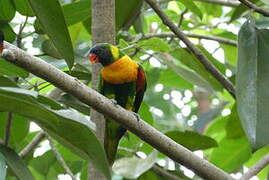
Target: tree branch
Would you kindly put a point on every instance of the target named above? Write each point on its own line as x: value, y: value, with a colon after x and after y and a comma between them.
x: 256, y: 168
x: 105, y: 106
x: 230, y: 3
x: 200, y: 56
x: 162, y: 172
x: 8, y: 128
x: 199, y: 36
x: 60, y: 159
x: 255, y: 8
x: 36, y: 140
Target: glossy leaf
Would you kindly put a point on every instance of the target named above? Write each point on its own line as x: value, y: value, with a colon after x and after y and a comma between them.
x: 171, y: 79
x: 133, y: 167
x: 6, y: 68
x: 155, y: 44
x: 233, y: 126
x: 77, y: 11
x: 3, y: 167
x: 240, y: 10
x: 51, y: 17
x: 64, y: 130
x: 10, y: 35
x: 252, y: 82
x: 231, y: 154
x: 16, y: 164
x: 192, y: 6
x: 189, y: 60
x: 23, y: 7
x: 7, y: 10
x: 192, y: 140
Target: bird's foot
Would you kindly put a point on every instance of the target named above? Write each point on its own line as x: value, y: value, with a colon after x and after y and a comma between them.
x: 136, y: 116
x: 114, y: 101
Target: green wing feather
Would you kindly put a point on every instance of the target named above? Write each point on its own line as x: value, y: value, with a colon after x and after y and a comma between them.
x: 127, y: 95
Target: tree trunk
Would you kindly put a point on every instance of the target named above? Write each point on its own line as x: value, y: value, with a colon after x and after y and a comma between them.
x: 103, y: 30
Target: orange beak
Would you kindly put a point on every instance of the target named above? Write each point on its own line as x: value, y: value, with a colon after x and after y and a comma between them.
x: 93, y: 58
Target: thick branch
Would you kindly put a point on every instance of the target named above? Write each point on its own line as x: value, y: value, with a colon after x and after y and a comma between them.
x: 200, y: 56
x: 199, y: 36
x: 105, y: 106
x: 256, y: 168
x: 255, y: 8
x: 36, y: 140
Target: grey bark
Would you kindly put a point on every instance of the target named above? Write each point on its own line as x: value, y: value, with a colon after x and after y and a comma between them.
x: 103, y: 30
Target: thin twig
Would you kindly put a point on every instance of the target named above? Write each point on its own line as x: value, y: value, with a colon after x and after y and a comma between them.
x: 200, y: 56
x: 8, y: 128
x: 19, y: 36
x: 230, y: 3
x: 29, y: 148
x: 181, y: 18
x: 60, y: 159
x: 255, y: 8
x: 256, y: 168
x: 199, y: 36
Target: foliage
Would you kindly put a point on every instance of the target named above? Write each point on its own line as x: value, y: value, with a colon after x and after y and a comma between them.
x: 183, y: 100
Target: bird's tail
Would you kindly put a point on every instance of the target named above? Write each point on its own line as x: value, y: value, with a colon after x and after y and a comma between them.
x: 1, y: 42
x: 113, y: 134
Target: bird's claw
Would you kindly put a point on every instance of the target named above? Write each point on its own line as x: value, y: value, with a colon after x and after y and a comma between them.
x: 136, y: 116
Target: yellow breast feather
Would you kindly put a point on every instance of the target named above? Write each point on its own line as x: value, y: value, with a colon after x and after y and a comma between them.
x: 121, y: 71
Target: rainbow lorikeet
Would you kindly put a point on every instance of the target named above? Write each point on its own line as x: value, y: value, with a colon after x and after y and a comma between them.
x: 123, y: 80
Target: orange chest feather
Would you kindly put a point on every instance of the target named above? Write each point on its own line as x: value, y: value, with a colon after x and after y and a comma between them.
x: 121, y: 71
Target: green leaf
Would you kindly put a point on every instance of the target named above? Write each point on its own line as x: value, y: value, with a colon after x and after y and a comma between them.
x: 133, y: 167
x: 233, y: 126
x: 145, y: 113
x: 155, y: 44
x: 240, y: 10
x: 23, y: 7
x: 43, y: 163
x: 10, y: 35
x: 49, y: 49
x: 231, y: 154
x: 252, y: 81
x: 74, y: 103
x: 7, y: 10
x: 191, y: 5
x: 192, y: 140
x: 125, y: 14
x: 192, y: 62
x: 51, y: 17
x: 16, y: 164
x: 6, y: 68
x: 257, y: 156
x: 19, y: 128
x: 77, y: 12
x: 65, y: 130
x: 171, y: 79
x: 4, y: 82
x: 3, y: 168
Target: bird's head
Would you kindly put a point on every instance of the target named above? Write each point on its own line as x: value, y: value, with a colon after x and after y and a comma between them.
x: 104, y: 53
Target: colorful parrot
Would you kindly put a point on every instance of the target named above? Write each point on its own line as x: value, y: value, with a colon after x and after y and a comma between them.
x: 122, y: 80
